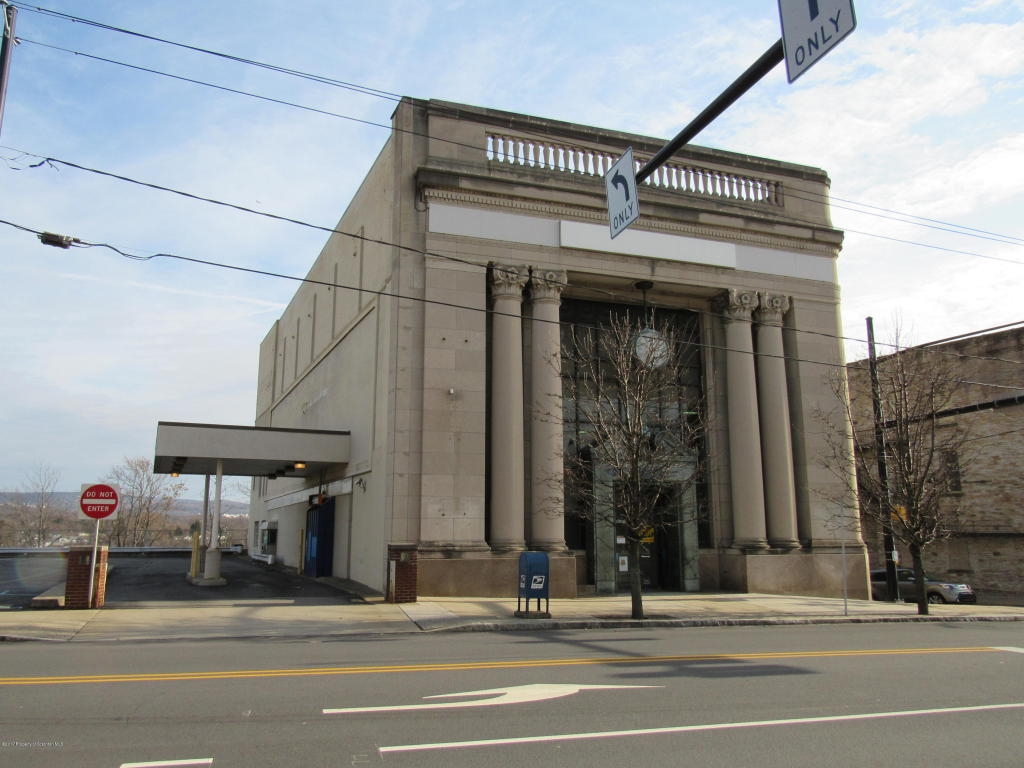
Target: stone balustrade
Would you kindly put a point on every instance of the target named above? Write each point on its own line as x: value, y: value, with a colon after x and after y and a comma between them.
x: 672, y: 176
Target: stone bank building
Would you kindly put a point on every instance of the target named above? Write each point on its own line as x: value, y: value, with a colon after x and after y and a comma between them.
x: 425, y: 332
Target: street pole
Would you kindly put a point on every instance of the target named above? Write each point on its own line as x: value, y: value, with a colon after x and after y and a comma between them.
x: 6, y: 50
x: 92, y: 563
x: 846, y: 593
x: 204, y: 525
x: 741, y: 85
x: 891, y: 583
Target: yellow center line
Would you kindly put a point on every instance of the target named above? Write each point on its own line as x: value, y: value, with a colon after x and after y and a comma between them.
x: 239, y: 674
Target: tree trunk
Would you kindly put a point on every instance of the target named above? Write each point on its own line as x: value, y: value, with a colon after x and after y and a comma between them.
x: 635, y: 579
x: 922, y: 594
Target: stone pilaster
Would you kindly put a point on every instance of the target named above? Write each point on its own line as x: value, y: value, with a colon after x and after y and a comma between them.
x: 776, y: 439
x: 547, y: 519
x: 746, y: 477
x: 507, y: 471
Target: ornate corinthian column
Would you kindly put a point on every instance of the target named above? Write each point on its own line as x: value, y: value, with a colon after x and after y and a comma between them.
x: 547, y: 522
x: 507, y: 468
x: 744, y: 437
x: 776, y: 440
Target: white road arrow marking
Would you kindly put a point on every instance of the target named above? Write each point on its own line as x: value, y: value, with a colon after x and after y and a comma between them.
x: 693, y: 728
x: 170, y: 763
x: 516, y: 694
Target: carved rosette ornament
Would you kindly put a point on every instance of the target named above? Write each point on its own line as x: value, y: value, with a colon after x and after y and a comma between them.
x: 737, y: 305
x: 508, y: 280
x: 772, y: 308
x: 548, y: 284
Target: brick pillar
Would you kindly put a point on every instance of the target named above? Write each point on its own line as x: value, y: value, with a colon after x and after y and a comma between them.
x: 76, y: 586
x: 403, y: 570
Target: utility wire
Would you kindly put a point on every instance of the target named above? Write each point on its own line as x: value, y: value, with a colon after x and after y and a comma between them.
x: 790, y: 193
x: 330, y: 230
x: 49, y: 238
x: 954, y: 229
x: 932, y: 221
x: 239, y: 92
x: 224, y: 88
x: 324, y: 79
x: 936, y: 224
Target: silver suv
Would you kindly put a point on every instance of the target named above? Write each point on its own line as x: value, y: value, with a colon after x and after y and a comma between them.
x: 937, y: 591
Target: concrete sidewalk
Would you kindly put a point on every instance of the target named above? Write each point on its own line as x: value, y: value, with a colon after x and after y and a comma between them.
x: 324, y: 617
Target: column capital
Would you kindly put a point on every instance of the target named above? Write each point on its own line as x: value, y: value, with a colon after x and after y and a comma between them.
x: 771, y: 308
x: 736, y: 304
x: 508, y: 280
x: 548, y: 284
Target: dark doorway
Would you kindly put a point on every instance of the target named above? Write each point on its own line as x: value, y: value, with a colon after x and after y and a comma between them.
x: 319, y: 539
x: 661, y: 551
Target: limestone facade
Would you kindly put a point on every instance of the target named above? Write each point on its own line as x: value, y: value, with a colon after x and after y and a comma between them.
x: 429, y: 329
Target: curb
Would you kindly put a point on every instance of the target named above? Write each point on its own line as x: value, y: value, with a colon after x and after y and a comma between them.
x: 428, y: 626
x: 576, y: 624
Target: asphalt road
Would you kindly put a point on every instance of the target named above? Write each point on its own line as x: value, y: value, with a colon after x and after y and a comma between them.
x: 840, y: 695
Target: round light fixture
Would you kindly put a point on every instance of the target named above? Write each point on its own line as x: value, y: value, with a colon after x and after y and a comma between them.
x: 651, y: 348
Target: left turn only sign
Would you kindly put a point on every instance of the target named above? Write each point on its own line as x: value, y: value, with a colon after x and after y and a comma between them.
x: 620, y: 187
x: 99, y: 500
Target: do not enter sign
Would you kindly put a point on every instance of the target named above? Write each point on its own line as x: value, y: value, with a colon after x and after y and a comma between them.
x: 99, y: 501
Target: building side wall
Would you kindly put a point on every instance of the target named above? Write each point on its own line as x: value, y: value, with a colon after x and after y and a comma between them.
x: 988, y: 552
x: 454, y: 405
x: 325, y: 365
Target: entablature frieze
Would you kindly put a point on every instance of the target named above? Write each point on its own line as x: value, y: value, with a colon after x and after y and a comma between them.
x: 809, y: 243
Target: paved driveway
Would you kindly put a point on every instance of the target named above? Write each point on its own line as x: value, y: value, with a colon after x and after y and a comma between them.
x: 22, y: 577
x: 134, y: 580
x: 163, y: 579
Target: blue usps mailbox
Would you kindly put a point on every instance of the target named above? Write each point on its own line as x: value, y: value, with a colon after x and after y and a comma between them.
x: 533, y: 583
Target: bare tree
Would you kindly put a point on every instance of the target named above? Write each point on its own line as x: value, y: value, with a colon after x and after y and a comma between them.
x: 38, y: 517
x: 629, y: 388
x: 924, y: 451
x: 146, y: 500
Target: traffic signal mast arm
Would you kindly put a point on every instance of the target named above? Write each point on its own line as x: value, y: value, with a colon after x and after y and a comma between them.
x: 743, y: 83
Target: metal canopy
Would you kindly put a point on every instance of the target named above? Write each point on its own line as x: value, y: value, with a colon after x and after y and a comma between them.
x: 194, y: 449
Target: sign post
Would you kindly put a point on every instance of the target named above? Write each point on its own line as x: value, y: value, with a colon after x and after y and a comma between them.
x: 97, y: 502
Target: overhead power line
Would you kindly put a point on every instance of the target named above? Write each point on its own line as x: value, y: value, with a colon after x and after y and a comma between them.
x: 897, y: 216
x: 205, y: 84
x: 65, y: 241
x: 884, y: 213
x: 240, y: 92
x: 324, y: 79
x: 321, y: 228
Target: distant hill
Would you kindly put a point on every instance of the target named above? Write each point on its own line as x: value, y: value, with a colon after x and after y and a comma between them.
x: 183, y: 508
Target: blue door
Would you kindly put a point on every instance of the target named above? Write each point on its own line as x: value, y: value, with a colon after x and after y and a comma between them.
x: 319, y: 539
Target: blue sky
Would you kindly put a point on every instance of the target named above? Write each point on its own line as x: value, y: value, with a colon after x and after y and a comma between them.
x: 920, y: 111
